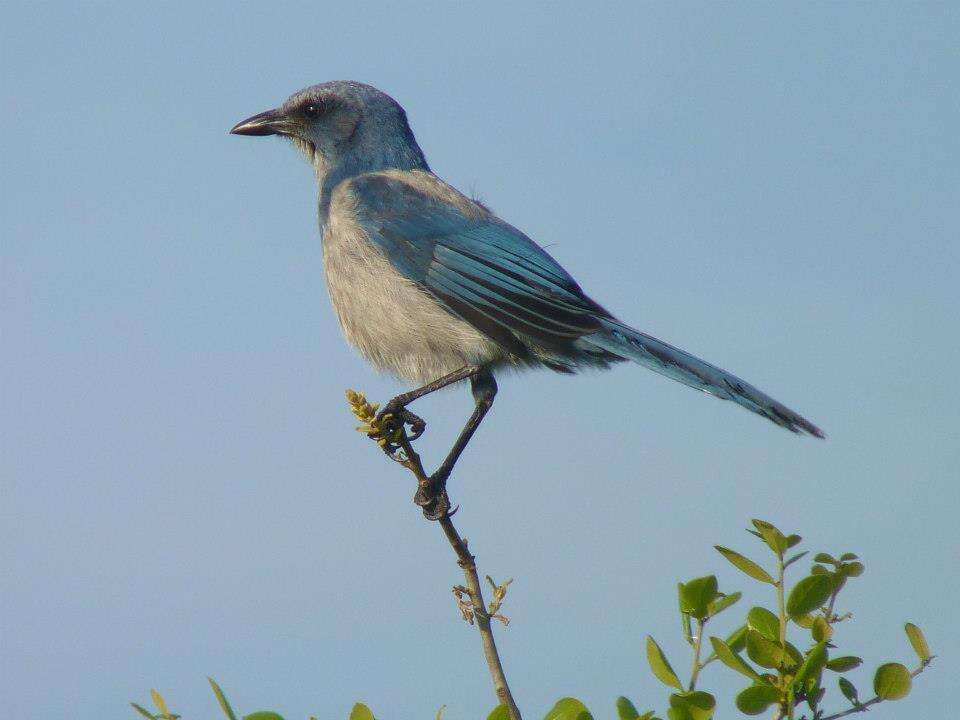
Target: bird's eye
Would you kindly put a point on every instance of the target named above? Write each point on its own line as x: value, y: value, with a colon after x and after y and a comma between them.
x: 311, y: 110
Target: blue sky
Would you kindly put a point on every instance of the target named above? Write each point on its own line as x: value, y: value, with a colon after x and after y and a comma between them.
x: 773, y: 187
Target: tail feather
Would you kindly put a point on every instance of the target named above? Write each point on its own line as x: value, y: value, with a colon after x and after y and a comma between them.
x: 623, y: 341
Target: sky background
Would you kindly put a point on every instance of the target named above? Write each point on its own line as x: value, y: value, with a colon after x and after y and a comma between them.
x: 772, y: 187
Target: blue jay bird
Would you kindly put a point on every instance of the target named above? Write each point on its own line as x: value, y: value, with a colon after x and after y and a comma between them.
x: 434, y: 288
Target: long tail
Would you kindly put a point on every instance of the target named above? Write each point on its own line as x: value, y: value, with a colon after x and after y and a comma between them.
x: 623, y: 341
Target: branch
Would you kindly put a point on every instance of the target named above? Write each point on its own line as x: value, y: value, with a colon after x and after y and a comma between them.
x: 394, y: 442
x: 863, y: 707
x: 697, y: 667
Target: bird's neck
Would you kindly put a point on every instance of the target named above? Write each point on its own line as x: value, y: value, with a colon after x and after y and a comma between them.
x: 391, y: 157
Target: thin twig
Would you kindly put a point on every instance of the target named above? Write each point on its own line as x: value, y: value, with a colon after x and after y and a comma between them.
x: 411, y: 460
x: 697, y: 667
x: 467, y: 563
x: 862, y: 707
x: 782, y: 616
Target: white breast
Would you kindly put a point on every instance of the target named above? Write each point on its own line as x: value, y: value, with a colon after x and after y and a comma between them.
x: 394, y: 324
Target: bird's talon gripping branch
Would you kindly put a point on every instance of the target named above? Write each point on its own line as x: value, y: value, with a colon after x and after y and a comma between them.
x: 433, y: 500
x: 417, y: 424
x: 388, y: 429
x: 432, y: 496
x: 396, y: 414
x: 417, y: 427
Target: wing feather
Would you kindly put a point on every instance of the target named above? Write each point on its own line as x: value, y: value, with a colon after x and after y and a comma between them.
x: 479, y: 267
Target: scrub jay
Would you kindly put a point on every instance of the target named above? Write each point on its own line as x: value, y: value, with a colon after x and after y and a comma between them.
x: 434, y: 288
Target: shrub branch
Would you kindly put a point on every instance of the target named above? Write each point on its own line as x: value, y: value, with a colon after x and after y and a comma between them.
x: 393, y: 440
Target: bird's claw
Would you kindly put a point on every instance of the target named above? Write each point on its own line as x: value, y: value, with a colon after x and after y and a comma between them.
x: 433, y: 499
x: 389, y: 426
x: 417, y: 425
x: 395, y: 416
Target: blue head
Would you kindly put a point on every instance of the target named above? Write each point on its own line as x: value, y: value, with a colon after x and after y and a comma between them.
x: 344, y: 128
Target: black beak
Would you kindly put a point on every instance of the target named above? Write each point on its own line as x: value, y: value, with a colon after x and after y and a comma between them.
x: 271, y: 122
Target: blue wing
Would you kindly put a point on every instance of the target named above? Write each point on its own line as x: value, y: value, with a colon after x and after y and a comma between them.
x: 497, y: 279
x: 480, y: 268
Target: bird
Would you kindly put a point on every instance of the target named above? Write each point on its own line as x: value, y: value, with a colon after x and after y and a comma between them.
x: 434, y: 288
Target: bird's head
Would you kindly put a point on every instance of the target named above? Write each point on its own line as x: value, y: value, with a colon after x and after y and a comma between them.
x: 344, y: 128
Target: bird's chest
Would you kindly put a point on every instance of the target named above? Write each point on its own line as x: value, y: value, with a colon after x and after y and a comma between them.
x: 395, y: 324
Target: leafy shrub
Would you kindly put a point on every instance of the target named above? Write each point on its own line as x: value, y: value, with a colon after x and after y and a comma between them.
x: 782, y: 678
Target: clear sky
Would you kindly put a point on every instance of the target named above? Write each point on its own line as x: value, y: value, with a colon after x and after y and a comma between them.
x: 773, y: 187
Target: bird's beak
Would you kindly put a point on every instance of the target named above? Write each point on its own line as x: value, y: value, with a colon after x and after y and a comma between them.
x: 271, y: 122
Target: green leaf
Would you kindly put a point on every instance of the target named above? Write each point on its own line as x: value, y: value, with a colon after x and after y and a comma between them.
x: 918, y: 641
x: 774, y: 539
x: 813, y: 663
x: 698, y: 705
x: 892, y: 681
x: 160, y: 703
x: 686, y: 627
x: 222, y: 699
x: 757, y: 698
x: 678, y: 713
x: 849, y: 691
x: 733, y: 661
x: 696, y: 595
x: 442, y: 709
x: 809, y: 594
x: 568, y: 708
x: 854, y: 569
x: 763, y: 652
x: 722, y: 603
x: 844, y: 663
x: 793, y: 540
x: 660, y: 666
x: 825, y: 558
x: 745, y: 565
x: 814, y: 696
x: 737, y: 640
x: 846, y: 557
x: 263, y: 715
x: 821, y: 629
x: 796, y: 557
x: 791, y: 656
x: 500, y: 712
x: 764, y: 622
x: 361, y: 712
x: 143, y: 711
x: 625, y: 709
x: 805, y: 621
x: 647, y: 715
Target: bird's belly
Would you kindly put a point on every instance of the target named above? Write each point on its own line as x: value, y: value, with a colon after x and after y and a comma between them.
x: 394, y: 324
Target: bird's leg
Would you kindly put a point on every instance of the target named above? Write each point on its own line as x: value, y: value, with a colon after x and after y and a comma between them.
x: 398, y: 406
x: 432, y: 496
x: 484, y: 389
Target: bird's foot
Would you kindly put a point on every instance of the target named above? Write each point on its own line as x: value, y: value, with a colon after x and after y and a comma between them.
x: 389, y: 427
x: 396, y: 415
x: 432, y: 497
